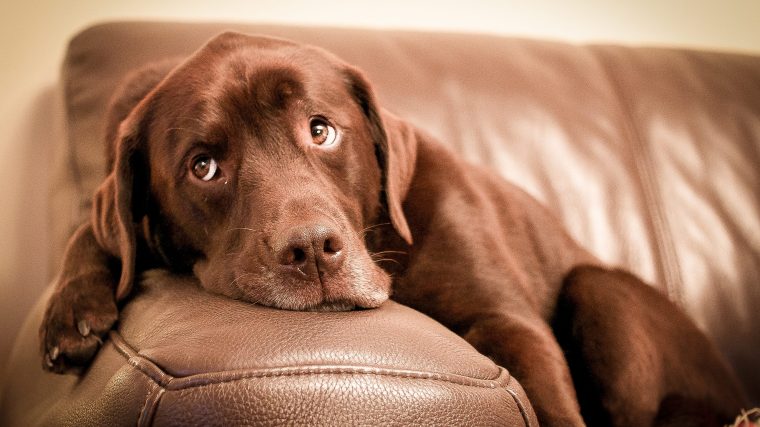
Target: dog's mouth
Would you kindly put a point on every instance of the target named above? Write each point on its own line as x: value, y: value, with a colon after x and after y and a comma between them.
x: 362, y: 288
x: 332, y: 306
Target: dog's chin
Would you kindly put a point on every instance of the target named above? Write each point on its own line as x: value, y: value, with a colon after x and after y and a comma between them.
x: 332, y: 306
x: 297, y: 303
x: 310, y: 302
x: 355, y: 289
x: 363, y: 294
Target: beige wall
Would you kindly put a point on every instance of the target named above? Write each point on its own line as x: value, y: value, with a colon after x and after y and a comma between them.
x: 33, y: 35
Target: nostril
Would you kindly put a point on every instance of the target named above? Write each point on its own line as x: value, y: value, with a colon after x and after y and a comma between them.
x: 299, y: 256
x: 310, y: 248
x: 293, y: 256
x: 332, y: 246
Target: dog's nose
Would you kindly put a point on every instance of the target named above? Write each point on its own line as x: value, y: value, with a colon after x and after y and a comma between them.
x: 311, y: 249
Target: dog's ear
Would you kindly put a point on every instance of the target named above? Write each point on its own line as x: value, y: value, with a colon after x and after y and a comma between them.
x: 115, y: 207
x: 114, y: 211
x: 396, y: 149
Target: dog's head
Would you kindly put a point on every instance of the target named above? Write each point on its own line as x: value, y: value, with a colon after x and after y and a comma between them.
x: 258, y: 164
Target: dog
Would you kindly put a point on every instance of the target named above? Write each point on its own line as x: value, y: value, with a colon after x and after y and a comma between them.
x: 266, y: 169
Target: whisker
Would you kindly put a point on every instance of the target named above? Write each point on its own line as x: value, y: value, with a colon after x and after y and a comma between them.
x: 365, y: 230
x: 388, y: 259
x: 388, y: 252
x: 232, y: 283
x: 376, y: 225
x: 241, y: 228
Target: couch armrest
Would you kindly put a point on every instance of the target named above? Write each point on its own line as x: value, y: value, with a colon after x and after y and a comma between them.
x: 183, y: 356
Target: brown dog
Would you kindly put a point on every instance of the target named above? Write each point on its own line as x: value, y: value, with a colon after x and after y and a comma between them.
x: 266, y: 169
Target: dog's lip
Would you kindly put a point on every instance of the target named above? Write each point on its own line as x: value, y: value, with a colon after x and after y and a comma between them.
x: 358, y: 288
x: 332, y: 307
x: 323, y: 300
x: 333, y: 303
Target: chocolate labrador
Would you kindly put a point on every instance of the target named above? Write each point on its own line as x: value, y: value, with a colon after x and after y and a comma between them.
x: 266, y: 169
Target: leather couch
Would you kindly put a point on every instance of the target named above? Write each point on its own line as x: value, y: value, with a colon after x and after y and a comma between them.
x: 651, y: 157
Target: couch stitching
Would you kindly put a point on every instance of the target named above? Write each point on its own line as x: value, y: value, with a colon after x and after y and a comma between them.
x: 163, y: 379
x: 202, y: 380
x: 518, y: 402
x: 664, y: 246
x: 520, y: 406
x: 142, y: 419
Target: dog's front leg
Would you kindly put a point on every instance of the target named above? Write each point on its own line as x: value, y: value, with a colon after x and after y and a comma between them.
x: 527, y: 347
x: 82, y: 308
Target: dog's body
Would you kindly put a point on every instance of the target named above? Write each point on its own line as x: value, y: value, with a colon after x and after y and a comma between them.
x: 266, y: 169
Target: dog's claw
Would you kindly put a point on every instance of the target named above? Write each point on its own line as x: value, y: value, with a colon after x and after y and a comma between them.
x: 48, y: 361
x: 84, y: 327
x: 78, y: 315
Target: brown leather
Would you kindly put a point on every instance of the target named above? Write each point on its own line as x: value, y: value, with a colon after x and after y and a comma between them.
x: 649, y: 156
x: 181, y: 356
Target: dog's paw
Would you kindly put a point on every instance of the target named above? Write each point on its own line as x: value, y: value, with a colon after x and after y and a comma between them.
x: 77, y: 318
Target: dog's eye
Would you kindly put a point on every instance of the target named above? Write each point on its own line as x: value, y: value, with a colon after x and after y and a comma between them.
x: 322, y: 133
x: 205, y: 168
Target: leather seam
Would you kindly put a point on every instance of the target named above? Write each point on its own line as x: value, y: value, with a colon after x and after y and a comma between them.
x: 152, y: 398
x: 518, y: 402
x: 141, y: 417
x: 169, y: 382
x: 667, y: 257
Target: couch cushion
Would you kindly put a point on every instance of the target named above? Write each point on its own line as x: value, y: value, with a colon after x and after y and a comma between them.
x: 181, y: 356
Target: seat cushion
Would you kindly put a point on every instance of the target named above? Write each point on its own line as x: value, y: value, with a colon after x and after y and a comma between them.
x: 182, y: 356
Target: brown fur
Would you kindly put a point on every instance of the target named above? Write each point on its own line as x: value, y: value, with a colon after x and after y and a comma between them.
x: 290, y: 224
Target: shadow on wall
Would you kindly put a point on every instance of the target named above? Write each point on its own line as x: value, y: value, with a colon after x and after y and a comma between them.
x: 36, y: 138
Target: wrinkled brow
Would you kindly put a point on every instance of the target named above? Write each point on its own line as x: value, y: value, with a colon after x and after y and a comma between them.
x: 237, y: 96
x: 246, y: 92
